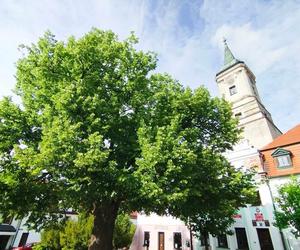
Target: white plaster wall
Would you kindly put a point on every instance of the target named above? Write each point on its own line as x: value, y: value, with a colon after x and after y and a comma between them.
x: 155, y: 224
x: 256, y: 120
x: 275, y: 184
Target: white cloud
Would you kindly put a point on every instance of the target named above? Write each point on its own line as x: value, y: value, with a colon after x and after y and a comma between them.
x: 256, y: 46
x: 186, y: 35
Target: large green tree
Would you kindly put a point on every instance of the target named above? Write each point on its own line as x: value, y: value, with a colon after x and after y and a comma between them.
x: 98, y: 131
x: 288, y: 201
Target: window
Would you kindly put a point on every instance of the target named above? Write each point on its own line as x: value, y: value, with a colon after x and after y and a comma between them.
x: 177, y: 241
x: 238, y: 115
x: 282, y: 158
x: 241, y: 238
x: 222, y: 241
x: 232, y: 90
x: 23, y: 239
x: 284, y: 161
x: 146, y: 239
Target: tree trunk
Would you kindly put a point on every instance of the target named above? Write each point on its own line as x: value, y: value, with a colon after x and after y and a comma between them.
x: 191, y: 239
x: 205, y: 236
x: 206, y: 243
x: 104, y: 222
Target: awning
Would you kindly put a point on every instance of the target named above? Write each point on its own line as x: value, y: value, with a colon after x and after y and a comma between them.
x: 7, y: 228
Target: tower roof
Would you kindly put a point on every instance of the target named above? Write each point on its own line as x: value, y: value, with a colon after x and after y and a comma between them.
x: 229, y: 59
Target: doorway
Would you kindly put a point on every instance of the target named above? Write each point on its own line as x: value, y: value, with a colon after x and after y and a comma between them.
x: 3, y: 241
x: 265, y: 240
x: 161, y: 241
x: 241, y: 238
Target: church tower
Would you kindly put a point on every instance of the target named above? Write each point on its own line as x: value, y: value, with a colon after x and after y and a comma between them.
x: 237, y: 85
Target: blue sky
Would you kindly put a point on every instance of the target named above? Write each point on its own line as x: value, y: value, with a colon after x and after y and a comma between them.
x: 186, y: 34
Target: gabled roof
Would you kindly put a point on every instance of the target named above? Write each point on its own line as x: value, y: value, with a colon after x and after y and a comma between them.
x: 290, y: 137
x: 280, y: 152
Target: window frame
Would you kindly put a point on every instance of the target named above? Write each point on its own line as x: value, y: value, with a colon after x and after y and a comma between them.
x: 282, y: 158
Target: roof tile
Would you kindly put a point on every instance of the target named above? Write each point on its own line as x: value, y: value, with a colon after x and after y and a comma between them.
x: 290, y: 137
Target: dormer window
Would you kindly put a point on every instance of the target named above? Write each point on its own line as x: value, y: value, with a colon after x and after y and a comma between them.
x: 232, y: 90
x: 282, y: 157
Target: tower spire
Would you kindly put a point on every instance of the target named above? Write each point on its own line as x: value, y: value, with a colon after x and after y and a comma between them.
x: 229, y: 58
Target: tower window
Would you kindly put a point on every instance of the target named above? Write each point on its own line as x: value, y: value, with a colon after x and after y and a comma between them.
x: 232, y: 90
x: 238, y: 115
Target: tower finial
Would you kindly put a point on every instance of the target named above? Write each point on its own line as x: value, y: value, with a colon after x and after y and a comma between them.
x: 229, y: 58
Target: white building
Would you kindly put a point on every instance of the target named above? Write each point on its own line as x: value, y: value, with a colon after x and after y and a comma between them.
x: 14, y: 233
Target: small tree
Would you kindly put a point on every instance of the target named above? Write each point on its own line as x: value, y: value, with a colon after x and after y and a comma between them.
x: 50, y: 240
x: 124, y: 231
x: 75, y: 234
x: 288, y: 203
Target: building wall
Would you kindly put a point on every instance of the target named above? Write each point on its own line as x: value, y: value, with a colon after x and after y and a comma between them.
x: 254, y: 118
x: 271, y: 164
x: 279, y: 176
x: 155, y: 224
x: 275, y: 183
x: 246, y: 156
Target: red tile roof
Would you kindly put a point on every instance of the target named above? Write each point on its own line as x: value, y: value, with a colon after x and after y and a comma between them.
x: 290, y: 137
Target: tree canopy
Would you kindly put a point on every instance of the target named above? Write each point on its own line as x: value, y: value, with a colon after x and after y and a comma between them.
x: 98, y: 131
x: 288, y: 203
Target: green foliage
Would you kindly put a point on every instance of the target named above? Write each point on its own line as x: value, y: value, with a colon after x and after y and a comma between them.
x: 289, y: 207
x: 50, y: 240
x: 75, y: 234
x: 99, y: 132
x: 123, y: 232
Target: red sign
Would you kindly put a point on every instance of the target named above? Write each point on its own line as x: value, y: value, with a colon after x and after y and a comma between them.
x: 259, y: 216
x: 237, y: 216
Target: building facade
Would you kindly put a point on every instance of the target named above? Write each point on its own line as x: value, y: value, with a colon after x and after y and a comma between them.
x: 253, y: 227
x: 281, y: 159
x: 14, y: 233
x: 160, y: 232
